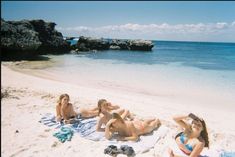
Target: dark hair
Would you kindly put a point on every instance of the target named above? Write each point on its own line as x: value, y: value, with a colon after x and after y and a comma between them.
x: 204, y: 133
x: 100, y: 102
x: 62, y: 96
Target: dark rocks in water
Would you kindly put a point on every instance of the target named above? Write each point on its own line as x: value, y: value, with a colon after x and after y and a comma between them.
x: 88, y: 44
x: 123, y: 44
x: 143, y: 45
x: 28, y: 38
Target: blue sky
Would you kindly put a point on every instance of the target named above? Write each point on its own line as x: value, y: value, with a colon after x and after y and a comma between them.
x: 193, y: 21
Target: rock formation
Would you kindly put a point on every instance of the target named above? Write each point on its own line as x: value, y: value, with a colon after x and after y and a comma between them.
x: 27, y: 38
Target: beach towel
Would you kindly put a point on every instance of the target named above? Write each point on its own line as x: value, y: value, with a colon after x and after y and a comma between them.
x: 84, y: 127
x: 227, y: 154
x: 144, y: 143
x: 49, y: 120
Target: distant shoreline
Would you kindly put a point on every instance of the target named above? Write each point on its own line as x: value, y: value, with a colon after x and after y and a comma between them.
x: 217, y: 42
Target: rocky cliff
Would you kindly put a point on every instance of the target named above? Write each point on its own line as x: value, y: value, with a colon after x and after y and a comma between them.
x: 27, y: 38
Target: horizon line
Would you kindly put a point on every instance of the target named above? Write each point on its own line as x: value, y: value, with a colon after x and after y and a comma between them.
x: 225, y: 42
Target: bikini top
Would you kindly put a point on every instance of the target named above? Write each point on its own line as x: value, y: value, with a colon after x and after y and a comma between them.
x: 183, y: 138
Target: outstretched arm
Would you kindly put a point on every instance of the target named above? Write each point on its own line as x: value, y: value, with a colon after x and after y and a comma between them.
x: 113, y: 107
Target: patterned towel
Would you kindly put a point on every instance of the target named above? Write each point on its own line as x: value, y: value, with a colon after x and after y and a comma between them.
x: 84, y: 127
x: 87, y: 129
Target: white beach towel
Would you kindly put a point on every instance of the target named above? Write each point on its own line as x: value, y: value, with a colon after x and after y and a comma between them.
x: 145, y: 143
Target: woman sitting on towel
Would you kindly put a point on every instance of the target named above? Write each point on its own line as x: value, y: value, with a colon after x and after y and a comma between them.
x: 194, y: 137
x: 129, y: 130
x: 65, y: 111
x: 105, y: 109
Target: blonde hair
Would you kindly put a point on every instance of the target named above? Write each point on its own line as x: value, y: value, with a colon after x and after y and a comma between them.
x: 117, y: 117
x: 61, y: 97
x: 100, y: 103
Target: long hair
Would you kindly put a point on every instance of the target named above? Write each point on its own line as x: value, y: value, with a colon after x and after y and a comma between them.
x: 204, y: 133
x: 61, y: 97
x: 117, y: 117
x: 100, y: 102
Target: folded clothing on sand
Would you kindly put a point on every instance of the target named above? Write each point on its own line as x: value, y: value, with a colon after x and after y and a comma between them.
x: 64, y: 134
x: 124, y: 149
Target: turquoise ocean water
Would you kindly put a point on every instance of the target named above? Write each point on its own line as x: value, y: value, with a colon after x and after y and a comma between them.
x: 203, y: 55
x: 171, y: 68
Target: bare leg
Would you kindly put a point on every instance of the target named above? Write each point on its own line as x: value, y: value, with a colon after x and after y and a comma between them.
x: 95, y: 109
x: 85, y: 113
x: 150, y: 125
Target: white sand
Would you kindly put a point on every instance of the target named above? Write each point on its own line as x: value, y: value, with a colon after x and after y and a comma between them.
x: 32, y: 96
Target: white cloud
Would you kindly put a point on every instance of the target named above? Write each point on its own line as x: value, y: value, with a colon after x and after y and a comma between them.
x: 200, y: 31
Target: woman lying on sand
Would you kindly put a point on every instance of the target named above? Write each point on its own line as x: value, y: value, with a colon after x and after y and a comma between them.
x: 65, y: 110
x: 194, y: 137
x: 105, y: 113
x: 129, y: 130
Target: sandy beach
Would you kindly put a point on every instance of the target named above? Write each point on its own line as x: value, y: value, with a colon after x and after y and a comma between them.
x: 27, y: 97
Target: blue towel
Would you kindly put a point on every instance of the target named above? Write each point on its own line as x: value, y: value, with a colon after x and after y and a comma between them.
x: 84, y: 127
x: 227, y: 154
x: 64, y: 134
x: 50, y: 120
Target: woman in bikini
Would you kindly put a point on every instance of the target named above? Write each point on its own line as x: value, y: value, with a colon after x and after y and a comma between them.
x: 129, y: 130
x: 105, y: 113
x: 194, y: 137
